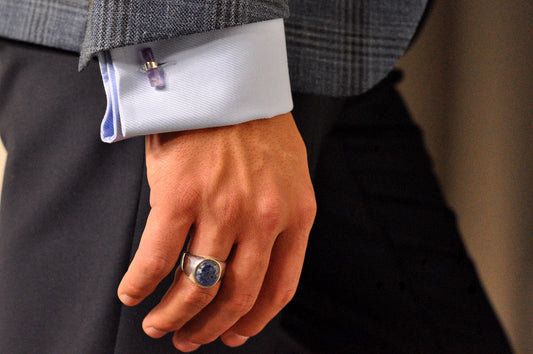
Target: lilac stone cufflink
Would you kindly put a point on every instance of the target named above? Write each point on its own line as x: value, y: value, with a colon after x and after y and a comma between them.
x: 203, y: 271
x: 155, y: 75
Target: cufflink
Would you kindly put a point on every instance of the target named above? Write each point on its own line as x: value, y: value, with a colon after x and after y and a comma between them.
x: 155, y: 74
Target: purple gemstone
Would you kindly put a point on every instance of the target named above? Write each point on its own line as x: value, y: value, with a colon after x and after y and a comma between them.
x: 155, y: 75
x: 147, y: 55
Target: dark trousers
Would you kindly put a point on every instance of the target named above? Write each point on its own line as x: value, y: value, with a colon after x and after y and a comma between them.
x: 385, y: 272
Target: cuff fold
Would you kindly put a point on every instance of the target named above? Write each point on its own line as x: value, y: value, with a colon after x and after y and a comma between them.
x: 216, y: 78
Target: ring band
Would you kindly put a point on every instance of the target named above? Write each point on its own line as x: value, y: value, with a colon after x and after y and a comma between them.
x: 203, y: 271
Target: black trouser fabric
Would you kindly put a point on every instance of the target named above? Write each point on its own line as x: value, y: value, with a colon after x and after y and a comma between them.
x: 385, y: 271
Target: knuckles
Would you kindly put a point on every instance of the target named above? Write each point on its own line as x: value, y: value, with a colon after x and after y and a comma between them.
x: 308, y: 208
x: 270, y: 213
x: 234, y: 307
x: 241, y: 304
x: 281, y: 298
x: 194, y: 300
x: 152, y: 269
x: 197, y: 298
x: 275, y: 209
x: 155, y: 267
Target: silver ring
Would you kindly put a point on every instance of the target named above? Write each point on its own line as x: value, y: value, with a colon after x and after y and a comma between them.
x: 203, y: 271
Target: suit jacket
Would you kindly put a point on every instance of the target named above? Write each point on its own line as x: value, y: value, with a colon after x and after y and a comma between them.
x: 335, y: 47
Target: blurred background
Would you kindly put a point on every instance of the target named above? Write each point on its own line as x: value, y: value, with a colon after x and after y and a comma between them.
x: 469, y: 84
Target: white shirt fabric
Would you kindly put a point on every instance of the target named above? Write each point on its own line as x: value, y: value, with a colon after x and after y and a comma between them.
x: 216, y: 78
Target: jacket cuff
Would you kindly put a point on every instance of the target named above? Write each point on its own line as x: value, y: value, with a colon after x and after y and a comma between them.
x: 117, y: 23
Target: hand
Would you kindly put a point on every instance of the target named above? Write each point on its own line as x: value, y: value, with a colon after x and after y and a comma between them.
x: 245, y: 193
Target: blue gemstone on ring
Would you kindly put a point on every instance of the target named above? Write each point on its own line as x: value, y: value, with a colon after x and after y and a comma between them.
x: 207, y: 273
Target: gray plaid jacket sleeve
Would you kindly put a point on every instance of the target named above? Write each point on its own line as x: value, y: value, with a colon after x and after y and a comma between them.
x: 345, y: 47
x: 335, y: 47
x: 121, y: 22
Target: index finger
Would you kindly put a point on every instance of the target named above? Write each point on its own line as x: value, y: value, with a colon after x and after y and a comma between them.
x: 159, y: 249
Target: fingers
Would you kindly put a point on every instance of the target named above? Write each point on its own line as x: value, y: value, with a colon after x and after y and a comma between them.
x: 278, y: 288
x: 239, y: 289
x: 257, y: 284
x: 159, y: 249
x: 185, y: 299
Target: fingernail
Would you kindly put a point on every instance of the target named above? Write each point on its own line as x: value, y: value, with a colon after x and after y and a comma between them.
x: 127, y: 300
x: 186, y: 346
x: 154, y: 332
x: 234, y: 340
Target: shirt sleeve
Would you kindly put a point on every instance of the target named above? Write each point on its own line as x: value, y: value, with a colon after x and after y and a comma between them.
x: 211, y: 79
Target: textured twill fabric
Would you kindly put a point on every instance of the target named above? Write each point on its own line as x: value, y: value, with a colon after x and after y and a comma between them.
x: 215, y: 78
x: 335, y: 47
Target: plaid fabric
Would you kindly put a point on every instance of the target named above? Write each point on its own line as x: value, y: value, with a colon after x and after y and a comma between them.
x: 345, y: 47
x: 122, y: 22
x: 53, y: 23
x: 335, y: 47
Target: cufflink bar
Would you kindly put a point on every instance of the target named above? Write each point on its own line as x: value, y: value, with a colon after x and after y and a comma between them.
x: 155, y: 75
x: 149, y: 66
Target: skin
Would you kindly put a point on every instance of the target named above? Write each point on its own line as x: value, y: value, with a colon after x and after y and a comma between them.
x: 245, y: 194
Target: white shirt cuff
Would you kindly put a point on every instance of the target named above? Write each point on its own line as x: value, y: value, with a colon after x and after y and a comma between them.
x: 216, y: 78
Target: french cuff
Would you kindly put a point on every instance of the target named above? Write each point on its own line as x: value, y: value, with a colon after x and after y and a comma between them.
x: 211, y: 79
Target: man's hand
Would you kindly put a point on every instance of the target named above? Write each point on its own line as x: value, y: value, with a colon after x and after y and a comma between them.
x: 245, y: 194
